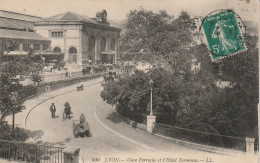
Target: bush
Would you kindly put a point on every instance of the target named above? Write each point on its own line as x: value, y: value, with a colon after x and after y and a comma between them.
x: 18, y: 134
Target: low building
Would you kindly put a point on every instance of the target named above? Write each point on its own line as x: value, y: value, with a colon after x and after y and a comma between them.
x: 83, y: 40
x: 17, y: 35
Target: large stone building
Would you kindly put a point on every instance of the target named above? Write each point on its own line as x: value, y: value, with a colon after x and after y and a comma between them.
x: 83, y: 40
x: 17, y: 34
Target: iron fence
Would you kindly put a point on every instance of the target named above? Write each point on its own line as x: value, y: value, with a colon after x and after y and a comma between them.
x: 19, y: 151
x: 205, y: 138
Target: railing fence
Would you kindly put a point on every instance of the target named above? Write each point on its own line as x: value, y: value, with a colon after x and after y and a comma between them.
x: 19, y: 151
x: 205, y: 138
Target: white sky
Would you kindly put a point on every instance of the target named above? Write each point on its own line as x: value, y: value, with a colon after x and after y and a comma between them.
x: 117, y: 9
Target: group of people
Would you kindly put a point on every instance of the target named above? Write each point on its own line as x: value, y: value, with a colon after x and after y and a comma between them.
x: 67, y: 110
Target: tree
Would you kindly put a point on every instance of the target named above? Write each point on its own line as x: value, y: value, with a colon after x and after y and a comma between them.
x: 11, y: 90
x: 239, y: 103
x: 156, y: 36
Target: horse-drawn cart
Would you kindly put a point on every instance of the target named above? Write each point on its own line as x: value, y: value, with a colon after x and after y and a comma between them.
x: 81, y: 129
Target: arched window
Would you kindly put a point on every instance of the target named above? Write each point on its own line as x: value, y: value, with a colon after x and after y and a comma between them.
x: 113, y: 44
x: 91, y: 44
x: 73, y: 50
x: 56, y: 50
x: 103, y: 44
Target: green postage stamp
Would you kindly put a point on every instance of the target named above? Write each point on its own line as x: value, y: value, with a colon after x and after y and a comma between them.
x: 223, y: 34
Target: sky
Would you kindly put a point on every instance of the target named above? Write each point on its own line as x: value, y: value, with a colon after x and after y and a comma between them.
x: 118, y: 9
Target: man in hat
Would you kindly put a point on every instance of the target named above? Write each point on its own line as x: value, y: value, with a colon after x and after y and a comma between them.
x: 82, y: 118
x: 53, y: 110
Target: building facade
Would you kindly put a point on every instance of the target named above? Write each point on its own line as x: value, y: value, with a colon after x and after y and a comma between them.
x: 83, y: 40
x: 17, y: 35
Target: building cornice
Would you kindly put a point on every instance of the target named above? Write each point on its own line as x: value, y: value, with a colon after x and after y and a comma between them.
x: 47, y: 23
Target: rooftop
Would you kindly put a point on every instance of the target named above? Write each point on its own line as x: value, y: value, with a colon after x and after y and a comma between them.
x: 18, y: 16
x: 9, y: 23
x: 68, y: 16
x: 21, y: 35
x: 13, y: 20
x: 71, y: 17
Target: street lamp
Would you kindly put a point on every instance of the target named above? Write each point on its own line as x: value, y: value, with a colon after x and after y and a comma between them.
x: 151, y: 82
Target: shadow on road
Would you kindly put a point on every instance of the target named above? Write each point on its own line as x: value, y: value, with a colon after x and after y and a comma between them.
x: 114, y: 118
x: 35, y: 138
x: 36, y: 135
x: 60, y: 143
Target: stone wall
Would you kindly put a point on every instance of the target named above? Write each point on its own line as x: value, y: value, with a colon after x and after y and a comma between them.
x: 32, y: 90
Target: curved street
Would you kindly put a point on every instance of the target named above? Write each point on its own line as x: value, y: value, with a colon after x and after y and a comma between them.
x: 111, y: 138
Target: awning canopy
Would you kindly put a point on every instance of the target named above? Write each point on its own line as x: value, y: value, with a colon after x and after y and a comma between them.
x: 12, y: 53
x: 110, y: 52
x: 44, y: 53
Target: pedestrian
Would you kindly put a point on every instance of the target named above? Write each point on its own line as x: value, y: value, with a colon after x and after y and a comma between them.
x: 81, y: 83
x: 53, y: 110
x: 67, y: 110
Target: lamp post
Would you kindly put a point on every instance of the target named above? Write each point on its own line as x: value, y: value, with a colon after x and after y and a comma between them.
x: 151, y: 118
x: 14, y: 99
x: 151, y: 82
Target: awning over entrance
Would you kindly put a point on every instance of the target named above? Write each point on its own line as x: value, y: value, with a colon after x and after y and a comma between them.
x: 108, y: 52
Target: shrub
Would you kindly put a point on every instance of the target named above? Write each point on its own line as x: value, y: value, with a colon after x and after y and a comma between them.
x: 19, y: 134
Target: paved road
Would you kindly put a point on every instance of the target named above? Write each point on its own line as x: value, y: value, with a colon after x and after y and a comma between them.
x: 111, y: 137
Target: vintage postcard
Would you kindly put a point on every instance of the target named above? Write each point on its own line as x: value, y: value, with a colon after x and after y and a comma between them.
x: 129, y: 81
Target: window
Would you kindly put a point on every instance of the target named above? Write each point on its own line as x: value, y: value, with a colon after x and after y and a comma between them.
x: 36, y: 46
x: 91, y: 44
x: 103, y: 44
x: 45, y: 46
x: 113, y: 44
x: 56, y: 50
x: 26, y: 47
x: 3, y: 47
x: 57, y: 34
x: 73, y: 50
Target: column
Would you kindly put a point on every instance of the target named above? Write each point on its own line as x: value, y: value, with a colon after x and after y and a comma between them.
x: 150, y: 123
x: 71, y: 154
x: 96, y: 48
x: 66, y: 53
x: 20, y: 46
x: 250, y: 148
x: 41, y: 46
x: 31, y: 46
x: 107, y: 44
x: 116, y: 49
x: 79, y: 55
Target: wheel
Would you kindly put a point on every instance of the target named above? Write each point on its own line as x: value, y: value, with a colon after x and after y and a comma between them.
x: 75, y: 133
x: 88, y: 133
